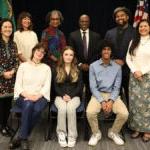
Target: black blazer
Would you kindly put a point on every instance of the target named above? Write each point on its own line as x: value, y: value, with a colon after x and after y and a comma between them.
x: 67, y: 87
x: 120, y: 52
x: 75, y: 40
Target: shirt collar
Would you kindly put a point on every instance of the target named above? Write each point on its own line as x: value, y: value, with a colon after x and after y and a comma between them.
x: 87, y: 31
x: 102, y: 63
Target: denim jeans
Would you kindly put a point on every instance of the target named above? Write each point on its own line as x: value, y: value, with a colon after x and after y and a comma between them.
x: 30, y: 114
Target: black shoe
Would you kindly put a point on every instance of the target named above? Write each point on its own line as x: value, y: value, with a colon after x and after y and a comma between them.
x: 15, y: 144
x: 25, y: 145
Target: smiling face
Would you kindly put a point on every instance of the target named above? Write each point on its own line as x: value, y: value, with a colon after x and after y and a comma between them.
x: 121, y: 18
x: 55, y: 19
x: 39, y: 54
x: 68, y: 56
x: 6, y: 29
x: 84, y: 22
x: 26, y: 22
x: 144, y: 28
x: 106, y: 53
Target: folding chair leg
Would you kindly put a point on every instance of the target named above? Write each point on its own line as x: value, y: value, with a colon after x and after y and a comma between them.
x: 48, y: 134
x: 15, y: 131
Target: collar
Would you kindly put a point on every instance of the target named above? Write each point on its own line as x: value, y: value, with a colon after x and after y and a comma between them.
x: 87, y: 31
x: 102, y: 63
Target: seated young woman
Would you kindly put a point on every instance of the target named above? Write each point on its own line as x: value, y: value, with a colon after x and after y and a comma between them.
x: 68, y: 87
x: 31, y: 92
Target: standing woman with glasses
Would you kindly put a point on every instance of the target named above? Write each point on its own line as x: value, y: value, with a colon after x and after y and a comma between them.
x: 53, y: 38
x: 25, y: 37
x: 138, y: 60
x: 8, y: 67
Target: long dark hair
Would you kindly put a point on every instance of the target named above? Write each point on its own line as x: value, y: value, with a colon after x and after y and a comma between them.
x: 23, y: 15
x: 1, y: 24
x: 136, y: 40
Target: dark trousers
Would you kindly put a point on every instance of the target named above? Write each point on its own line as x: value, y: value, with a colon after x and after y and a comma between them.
x: 87, y: 86
x: 5, y: 106
x: 30, y: 114
x: 125, y: 82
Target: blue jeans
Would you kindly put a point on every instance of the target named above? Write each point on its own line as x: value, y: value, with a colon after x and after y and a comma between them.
x: 30, y: 114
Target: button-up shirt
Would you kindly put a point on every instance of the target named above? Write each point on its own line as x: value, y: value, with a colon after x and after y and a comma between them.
x: 105, y: 78
x: 87, y: 36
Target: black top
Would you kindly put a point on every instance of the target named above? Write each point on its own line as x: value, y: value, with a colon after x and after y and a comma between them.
x: 68, y: 87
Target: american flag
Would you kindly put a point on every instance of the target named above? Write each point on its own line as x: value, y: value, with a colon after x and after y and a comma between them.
x: 141, y: 11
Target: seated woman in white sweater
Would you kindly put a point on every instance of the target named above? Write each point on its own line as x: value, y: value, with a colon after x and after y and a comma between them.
x: 32, y: 91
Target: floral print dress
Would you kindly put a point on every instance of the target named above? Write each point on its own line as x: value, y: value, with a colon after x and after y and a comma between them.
x: 8, y: 61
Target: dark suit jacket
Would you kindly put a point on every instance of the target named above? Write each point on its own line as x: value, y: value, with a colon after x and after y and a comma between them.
x: 120, y: 52
x: 75, y: 40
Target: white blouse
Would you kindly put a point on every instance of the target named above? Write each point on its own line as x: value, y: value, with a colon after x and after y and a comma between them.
x: 25, y: 41
x: 33, y: 79
x: 141, y: 60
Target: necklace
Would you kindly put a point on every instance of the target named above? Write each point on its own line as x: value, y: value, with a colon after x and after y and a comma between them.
x: 35, y: 62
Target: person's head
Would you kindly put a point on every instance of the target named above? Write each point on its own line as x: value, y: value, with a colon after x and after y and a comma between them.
x: 121, y: 16
x: 6, y: 29
x: 24, y: 21
x: 54, y: 18
x: 67, y: 58
x: 106, y: 50
x: 142, y: 29
x: 84, y: 22
x: 38, y: 52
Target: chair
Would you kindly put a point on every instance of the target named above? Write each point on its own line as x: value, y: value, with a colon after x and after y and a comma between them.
x: 112, y: 116
x: 15, y: 112
x: 52, y: 114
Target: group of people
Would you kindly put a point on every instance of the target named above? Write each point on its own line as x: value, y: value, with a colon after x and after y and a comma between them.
x: 34, y: 73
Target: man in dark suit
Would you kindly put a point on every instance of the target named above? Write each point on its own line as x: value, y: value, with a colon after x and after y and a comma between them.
x: 85, y: 42
x: 120, y: 36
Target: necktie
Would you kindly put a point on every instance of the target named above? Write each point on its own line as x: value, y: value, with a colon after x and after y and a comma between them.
x: 85, y: 45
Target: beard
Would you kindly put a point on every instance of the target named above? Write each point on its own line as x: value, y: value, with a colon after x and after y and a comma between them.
x: 122, y: 23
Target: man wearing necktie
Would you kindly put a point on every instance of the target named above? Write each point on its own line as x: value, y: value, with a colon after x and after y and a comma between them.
x: 85, y: 42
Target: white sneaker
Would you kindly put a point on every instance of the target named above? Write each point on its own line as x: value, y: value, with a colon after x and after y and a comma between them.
x: 71, y: 142
x: 95, y: 138
x: 62, y: 139
x: 115, y: 137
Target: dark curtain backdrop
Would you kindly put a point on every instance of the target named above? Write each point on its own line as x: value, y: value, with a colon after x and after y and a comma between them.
x: 100, y: 12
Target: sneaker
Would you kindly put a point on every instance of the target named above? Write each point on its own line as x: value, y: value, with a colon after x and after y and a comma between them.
x: 62, y: 139
x: 71, y: 142
x: 95, y: 138
x: 116, y: 138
